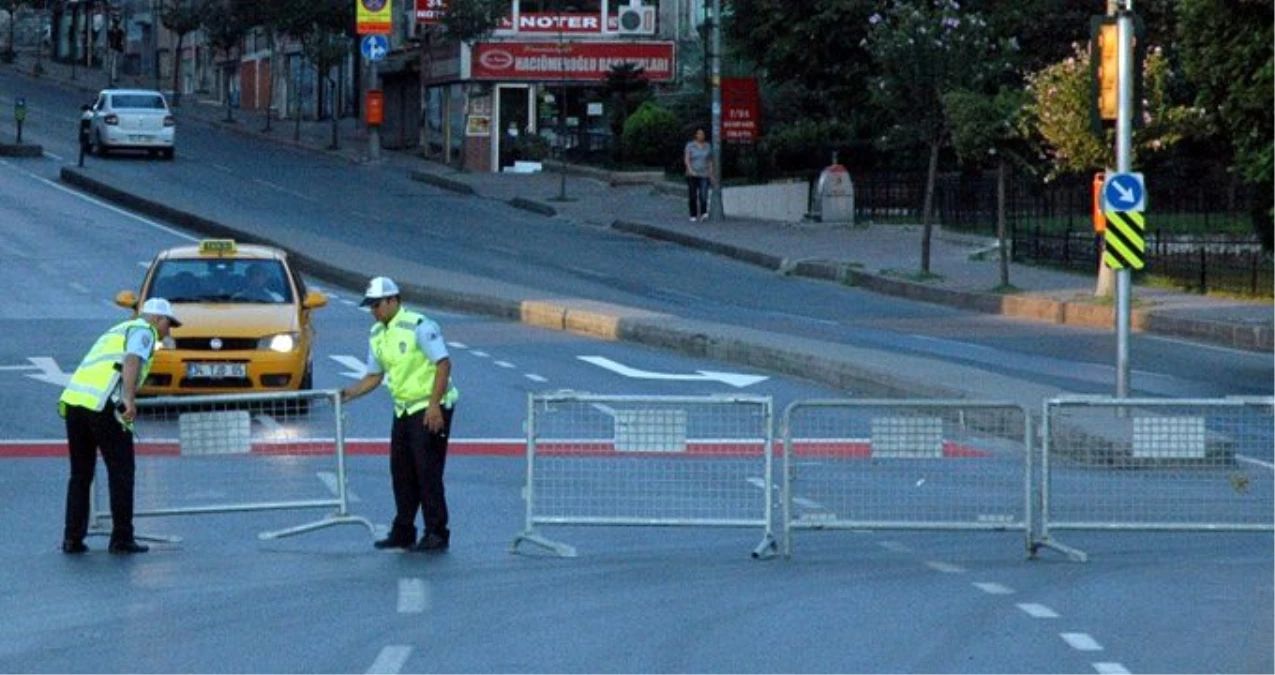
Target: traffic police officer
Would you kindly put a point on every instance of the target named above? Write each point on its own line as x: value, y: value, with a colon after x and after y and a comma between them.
x: 408, y: 348
x: 99, y: 405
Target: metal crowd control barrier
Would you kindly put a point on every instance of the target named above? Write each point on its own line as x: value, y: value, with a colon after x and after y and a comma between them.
x: 906, y: 464
x: 233, y: 453
x: 703, y: 461
x: 1156, y: 464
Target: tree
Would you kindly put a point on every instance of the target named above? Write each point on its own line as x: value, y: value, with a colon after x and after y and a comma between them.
x: 627, y: 88
x: 1226, y: 52
x: 924, y: 49
x: 983, y: 128
x: 181, y: 17
x: 321, y: 27
x: 818, y: 45
x: 224, y: 26
x: 466, y: 21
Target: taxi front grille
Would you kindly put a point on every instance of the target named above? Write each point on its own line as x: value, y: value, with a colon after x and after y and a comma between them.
x: 227, y: 344
x: 220, y: 383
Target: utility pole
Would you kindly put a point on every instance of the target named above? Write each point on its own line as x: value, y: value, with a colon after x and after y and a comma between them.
x: 715, y: 211
x: 373, y: 130
x: 1124, y: 146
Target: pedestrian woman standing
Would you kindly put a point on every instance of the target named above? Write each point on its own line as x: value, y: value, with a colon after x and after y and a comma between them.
x: 698, y: 158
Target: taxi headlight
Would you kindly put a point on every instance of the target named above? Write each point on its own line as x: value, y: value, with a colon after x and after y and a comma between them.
x: 283, y: 342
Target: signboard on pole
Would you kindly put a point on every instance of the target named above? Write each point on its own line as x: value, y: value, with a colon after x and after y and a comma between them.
x: 741, y: 110
x: 578, y: 61
x: 430, y: 12
x: 374, y: 17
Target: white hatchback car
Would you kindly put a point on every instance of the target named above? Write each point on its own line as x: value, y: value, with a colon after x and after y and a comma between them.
x: 135, y: 119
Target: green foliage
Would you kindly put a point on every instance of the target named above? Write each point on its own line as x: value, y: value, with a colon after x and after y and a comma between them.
x: 626, y: 88
x: 1057, y: 114
x: 806, y: 146
x: 982, y: 126
x: 532, y: 148
x: 651, y: 136
x: 472, y: 20
x: 923, y: 49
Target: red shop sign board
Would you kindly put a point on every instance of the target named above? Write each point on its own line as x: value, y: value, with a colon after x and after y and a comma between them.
x: 589, y: 61
x: 741, y: 110
x: 430, y: 11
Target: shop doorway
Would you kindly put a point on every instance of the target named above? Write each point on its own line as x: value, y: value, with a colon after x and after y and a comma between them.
x: 515, y: 114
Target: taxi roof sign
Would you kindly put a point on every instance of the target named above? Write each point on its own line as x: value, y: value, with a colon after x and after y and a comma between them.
x: 216, y: 246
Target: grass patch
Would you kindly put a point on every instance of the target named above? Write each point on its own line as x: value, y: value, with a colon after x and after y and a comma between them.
x: 1005, y: 289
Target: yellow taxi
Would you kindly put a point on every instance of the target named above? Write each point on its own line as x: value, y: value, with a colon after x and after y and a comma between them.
x: 245, y: 317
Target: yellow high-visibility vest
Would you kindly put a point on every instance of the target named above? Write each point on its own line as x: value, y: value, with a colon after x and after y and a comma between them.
x: 407, y: 366
x: 98, y: 375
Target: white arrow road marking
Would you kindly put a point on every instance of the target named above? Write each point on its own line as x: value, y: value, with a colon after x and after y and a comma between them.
x: 19, y: 368
x: 1037, y: 610
x: 390, y: 660
x: 993, y: 588
x: 1081, y: 641
x: 946, y: 568
x: 413, y: 596
x: 49, y: 371
x: 328, y: 478
x: 357, y: 369
x: 738, y: 380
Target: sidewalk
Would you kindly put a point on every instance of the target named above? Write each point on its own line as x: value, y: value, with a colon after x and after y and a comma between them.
x: 881, y: 258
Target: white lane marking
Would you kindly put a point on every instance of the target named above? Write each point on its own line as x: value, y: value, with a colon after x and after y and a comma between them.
x: 1258, y: 462
x: 222, y: 167
x: 993, y: 588
x: 52, y: 156
x: 355, y: 368
x: 280, y: 188
x: 1110, y: 668
x: 458, y: 345
x: 31, y: 367
x: 1037, y: 611
x: 328, y: 478
x: 802, y: 317
x: 946, y: 568
x: 270, y: 423
x: 108, y: 207
x: 1199, y: 345
x: 894, y: 546
x: 504, y: 364
x: 413, y: 596
x: 390, y: 661
x: 79, y: 287
x: 1081, y: 641
x: 534, y: 377
x: 480, y: 354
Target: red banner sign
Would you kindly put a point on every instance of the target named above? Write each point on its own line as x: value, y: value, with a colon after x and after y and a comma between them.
x: 741, y: 110
x: 430, y: 11
x: 590, y: 61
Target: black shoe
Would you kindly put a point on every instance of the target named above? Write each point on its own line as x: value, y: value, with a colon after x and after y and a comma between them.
x: 432, y: 543
x: 74, y: 547
x: 394, y: 542
x: 126, y: 547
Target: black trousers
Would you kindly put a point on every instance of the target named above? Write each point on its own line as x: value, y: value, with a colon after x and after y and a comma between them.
x: 417, y: 459
x: 697, y: 194
x: 86, y: 433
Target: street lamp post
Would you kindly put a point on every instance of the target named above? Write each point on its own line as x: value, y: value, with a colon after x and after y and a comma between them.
x: 561, y: 137
x: 715, y: 211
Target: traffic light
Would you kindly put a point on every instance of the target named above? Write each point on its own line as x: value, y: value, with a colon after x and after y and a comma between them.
x: 1104, y: 55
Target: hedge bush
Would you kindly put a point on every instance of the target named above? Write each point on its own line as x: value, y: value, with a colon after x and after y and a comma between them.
x: 651, y: 137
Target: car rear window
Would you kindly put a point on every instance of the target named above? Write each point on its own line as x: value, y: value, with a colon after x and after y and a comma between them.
x: 138, y: 101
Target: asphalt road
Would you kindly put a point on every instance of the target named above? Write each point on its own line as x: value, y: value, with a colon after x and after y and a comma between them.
x: 637, y: 599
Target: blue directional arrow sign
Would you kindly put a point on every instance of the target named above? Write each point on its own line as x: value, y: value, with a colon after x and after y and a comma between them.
x: 375, y: 47
x: 1124, y: 192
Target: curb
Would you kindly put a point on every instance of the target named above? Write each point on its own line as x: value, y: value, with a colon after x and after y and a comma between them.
x: 533, y: 206
x: 436, y: 180
x: 23, y: 150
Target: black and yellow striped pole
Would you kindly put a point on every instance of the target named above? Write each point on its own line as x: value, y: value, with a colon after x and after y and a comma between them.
x: 1125, y: 240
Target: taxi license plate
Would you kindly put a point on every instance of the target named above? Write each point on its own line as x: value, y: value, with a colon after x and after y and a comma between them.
x: 216, y: 371
x: 140, y: 137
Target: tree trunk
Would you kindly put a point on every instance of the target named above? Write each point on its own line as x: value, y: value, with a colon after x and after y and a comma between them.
x: 427, y: 65
x: 296, y: 126
x: 927, y: 211
x: 336, y: 142
x: 1000, y: 220
x: 270, y: 61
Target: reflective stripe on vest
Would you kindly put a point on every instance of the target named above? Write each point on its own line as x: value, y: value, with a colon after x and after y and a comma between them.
x: 98, y: 375
x: 407, y: 367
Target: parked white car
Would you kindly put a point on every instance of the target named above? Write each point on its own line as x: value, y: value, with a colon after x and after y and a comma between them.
x: 132, y: 119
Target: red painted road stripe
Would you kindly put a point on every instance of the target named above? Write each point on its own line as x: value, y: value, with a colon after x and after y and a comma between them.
x: 497, y: 447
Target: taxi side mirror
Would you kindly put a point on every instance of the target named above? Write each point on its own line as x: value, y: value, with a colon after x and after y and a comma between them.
x: 314, y: 300
x: 126, y: 299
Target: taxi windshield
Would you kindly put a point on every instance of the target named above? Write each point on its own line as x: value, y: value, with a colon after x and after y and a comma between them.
x: 221, y: 281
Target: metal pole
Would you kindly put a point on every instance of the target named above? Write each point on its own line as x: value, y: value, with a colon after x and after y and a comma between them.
x: 373, y: 130
x: 715, y: 211
x: 1124, y: 134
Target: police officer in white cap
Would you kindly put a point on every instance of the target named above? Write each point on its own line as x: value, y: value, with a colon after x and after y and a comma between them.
x: 100, y: 404
x: 408, y: 348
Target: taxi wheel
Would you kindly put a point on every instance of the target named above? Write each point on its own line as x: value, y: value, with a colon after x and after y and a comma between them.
x: 96, y: 147
x: 168, y: 153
